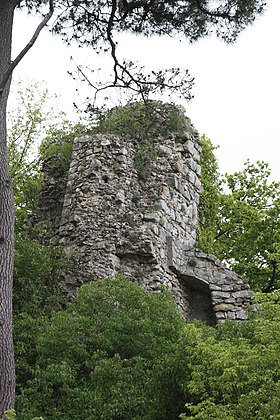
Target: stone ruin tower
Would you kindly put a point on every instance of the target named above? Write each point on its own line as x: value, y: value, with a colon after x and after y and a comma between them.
x: 130, y: 206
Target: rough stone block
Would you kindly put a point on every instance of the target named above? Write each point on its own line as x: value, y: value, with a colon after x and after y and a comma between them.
x: 231, y: 315
x: 221, y: 295
x: 240, y: 314
x: 243, y: 294
x: 224, y: 307
x: 220, y: 315
x: 190, y: 146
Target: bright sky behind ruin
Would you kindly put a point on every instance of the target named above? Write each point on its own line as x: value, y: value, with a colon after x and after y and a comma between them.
x: 236, y: 92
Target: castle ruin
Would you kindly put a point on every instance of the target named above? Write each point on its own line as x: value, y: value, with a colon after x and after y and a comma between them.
x: 130, y: 206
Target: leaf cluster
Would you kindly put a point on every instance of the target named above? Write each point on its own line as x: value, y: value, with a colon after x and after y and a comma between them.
x: 27, y: 121
x: 36, y: 294
x: 235, y: 367
x: 248, y: 234
x: 209, y: 197
x: 239, y: 219
x: 36, y: 267
x: 95, y: 359
x: 34, y: 121
x: 119, y: 352
x: 57, y: 146
x: 87, y: 22
x: 140, y: 120
x: 97, y: 24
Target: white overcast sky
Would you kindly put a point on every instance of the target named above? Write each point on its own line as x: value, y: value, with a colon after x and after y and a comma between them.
x: 236, y: 92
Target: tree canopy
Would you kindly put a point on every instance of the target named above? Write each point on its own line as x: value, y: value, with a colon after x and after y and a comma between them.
x: 120, y: 352
x: 240, y: 219
x: 248, y: 234
x: 97, y: 24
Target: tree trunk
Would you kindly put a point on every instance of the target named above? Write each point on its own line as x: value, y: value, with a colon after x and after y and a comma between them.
x: 269, y: 287
x: 7, y: 370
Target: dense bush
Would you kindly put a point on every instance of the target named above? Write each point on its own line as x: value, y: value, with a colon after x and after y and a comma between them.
x: 58, y: 145
x: 36, y: 289
x: 141, y: 121
x: 121, y: 353
x: 36, y: 295
x: 235, y: 368
x: 96, y: 359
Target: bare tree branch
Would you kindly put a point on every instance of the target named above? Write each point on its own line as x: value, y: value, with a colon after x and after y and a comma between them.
x: 29, y: 45
x: 214, y: 13
x: 110, y: 39
x: 126, y: 75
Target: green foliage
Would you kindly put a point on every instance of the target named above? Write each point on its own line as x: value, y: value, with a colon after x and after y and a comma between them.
x: 141, y: 121
x: 58, y: 145
x: 12, y: 415
x: 248, y: 230
x: 209, y: 198
x: 26, y: 331
x: 235, y: 369
x: 119, y: 352
x: 146, y: 154
x: 61, y: 151
x: 36, y: 267
x: 95, y: 360
x: 26, y: 123
x: 239, y: 217
x: 36, y: 295
x: 32, y: 120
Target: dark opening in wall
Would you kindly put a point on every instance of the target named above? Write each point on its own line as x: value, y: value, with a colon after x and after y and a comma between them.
x: 198, y: 303
x: 201, y: 306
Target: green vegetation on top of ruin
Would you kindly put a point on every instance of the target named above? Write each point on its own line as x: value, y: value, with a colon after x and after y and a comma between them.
x: 141, y: 121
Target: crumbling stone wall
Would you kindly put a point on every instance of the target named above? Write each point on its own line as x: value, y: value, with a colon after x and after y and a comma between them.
x: 51, y: 198
x: 125, y: 213
x: 229, y: 295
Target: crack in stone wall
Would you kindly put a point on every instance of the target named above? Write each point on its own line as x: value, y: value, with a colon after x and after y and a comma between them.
x: 109, y: 220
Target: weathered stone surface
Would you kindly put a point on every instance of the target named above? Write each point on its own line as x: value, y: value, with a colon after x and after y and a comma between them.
x: 112, y: 217
x: 240, y: 314
x: 223, y: 307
